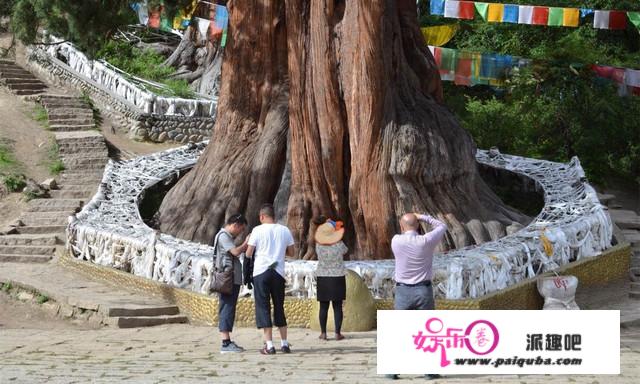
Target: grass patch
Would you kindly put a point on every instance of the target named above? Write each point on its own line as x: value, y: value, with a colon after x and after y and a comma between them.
x: 41, y: 115
x: 54, y: 163
x: 6, y: 287
x: 146, y: 64
x: 41, y: 299
x: 10, y: 170
x: 97, y: 117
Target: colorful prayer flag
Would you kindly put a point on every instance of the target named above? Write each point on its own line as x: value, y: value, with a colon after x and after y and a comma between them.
x: 154, y: 18
x: 584, y: 12
x: 634, y: 17
x: 511, y: 13
x: 439, y: 35
x: 556, y: 16
x: 571, y: 17
x: 203, y: 26
x: 540, y: 16
x: 142, y: 11
x: 467, y: 10
x: 617, y: 20
x: 601, y: 20
x: 496, y: 12
x: 219, y: 22
x: 482, y: 9
x: 463, y: 71
x: 451, y: 9
x: 437, y: 7
x: 525, y: 14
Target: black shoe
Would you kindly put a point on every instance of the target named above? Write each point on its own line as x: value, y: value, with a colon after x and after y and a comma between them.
x: 285, y: 349
x: 392, y: 377
x: 268, y: 351
x: 432, y: 376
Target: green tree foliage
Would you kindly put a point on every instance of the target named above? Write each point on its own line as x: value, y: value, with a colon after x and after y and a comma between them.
x: 556, y: 108
x: 87, y: 23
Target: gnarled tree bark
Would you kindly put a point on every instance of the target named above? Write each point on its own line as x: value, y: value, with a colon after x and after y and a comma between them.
x: 360, y: 95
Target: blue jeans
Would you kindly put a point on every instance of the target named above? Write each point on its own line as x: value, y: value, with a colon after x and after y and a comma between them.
x: 418, y: 297
x: 227, y: 309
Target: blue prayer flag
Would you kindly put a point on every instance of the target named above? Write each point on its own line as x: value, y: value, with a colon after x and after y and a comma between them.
x: 510, y: 13
x: 584, y: 12
x: 437, y: 7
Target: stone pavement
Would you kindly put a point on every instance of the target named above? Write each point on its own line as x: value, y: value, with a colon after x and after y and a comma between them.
x: 190, y: 354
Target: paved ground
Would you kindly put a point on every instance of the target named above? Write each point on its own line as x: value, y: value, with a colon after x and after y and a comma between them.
x: 186, y: 354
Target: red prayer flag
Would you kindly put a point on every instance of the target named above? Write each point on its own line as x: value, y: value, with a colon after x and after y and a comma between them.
x: 154, y: 18
x: 467, y: 10
x: 618, y: 75
x: 437, y: 54
x: 617, y: 20
x: 463, y: 72
x: 540, y: 16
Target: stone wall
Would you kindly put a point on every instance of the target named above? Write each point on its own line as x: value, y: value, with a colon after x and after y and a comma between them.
x: 125, y: 116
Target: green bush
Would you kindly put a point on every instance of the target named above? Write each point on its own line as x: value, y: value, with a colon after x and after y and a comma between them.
x: 14, y: 182
x: 55, y: 165
x: 41, y: 299
x: 145, y: 64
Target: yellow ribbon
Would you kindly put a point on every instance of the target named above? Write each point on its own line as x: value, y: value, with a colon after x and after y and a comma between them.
x: 439, y: 35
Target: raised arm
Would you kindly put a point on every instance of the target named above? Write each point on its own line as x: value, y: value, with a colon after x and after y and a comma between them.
x: 438, y: 228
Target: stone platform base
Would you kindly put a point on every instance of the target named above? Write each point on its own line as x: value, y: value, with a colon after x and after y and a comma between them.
x: 612, y: 265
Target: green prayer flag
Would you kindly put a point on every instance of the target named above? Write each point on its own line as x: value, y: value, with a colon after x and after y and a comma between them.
x: 449, y: 59
x: 635, y: 18
x: 556, y: 16
x: 482, y: 9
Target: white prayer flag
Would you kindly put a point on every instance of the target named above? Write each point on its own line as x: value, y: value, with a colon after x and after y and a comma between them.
x: 632, y: 77
x: 601, y: 20
x: 452, y: 9
x: 203, y: 26
x: 525, y: 14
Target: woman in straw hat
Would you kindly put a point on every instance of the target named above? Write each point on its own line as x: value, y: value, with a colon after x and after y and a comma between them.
x: 331, y: 284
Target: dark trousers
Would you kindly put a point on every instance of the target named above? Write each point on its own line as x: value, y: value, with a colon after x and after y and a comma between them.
x: 227, y: 309
x: 418, y: 297
x: 269, y: 287
x: 337, y: 315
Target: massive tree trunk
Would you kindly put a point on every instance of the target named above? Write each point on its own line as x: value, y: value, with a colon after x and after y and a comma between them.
x: 354, y: 85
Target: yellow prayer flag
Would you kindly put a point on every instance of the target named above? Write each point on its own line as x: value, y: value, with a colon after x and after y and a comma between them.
x: 496, y: 13
x: 571, y: 17
x: 439, y: 35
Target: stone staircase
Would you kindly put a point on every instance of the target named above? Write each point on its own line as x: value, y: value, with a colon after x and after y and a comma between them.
x: 629, y: 223
x: 84, y: 154
x: 20, y: 81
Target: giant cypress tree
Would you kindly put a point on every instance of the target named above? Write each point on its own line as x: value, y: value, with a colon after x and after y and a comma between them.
x: 353, y: 85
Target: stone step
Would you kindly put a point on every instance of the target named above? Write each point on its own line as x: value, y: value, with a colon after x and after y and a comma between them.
x: 64, y: 104
x: 72, y: 148
x: 17, y: 80
x: 25, y: 258
x: 90, y: 152
x: 51, y: 96
x: 17, y: 75
x: 632, y: 237
x: 72, y: 121
x: 72, y: 160
x: 27, y: 250
x: 168, y: 310
x: 70, y: 127
x: 86, y: 167
x: 60, y: 194
x: 55, y: 205
x: 82, y: 177
x: 146, y: 321
x: 27, y: 86
x: 45, y: 218
x: 80, y: 114
x: 42, y: 229
x: 8, y: 71
x: 28, y: 240
x: 625, y: 219
x: 27, y: 92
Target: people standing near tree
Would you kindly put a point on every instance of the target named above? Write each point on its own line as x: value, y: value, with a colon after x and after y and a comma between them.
x: 268, y: 244
x: 228, y: 256
x: 330, y: 273
x: 413, y: 255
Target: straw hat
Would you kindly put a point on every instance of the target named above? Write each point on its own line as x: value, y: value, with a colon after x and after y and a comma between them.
x: 330, y: 232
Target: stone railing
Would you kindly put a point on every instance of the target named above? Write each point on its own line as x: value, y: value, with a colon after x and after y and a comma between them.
x: 131, y: 107
x: 134, y: 92
x: 571, y: 226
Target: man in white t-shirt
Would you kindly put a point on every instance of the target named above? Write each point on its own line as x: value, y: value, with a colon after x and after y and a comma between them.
x: 268, y: 244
